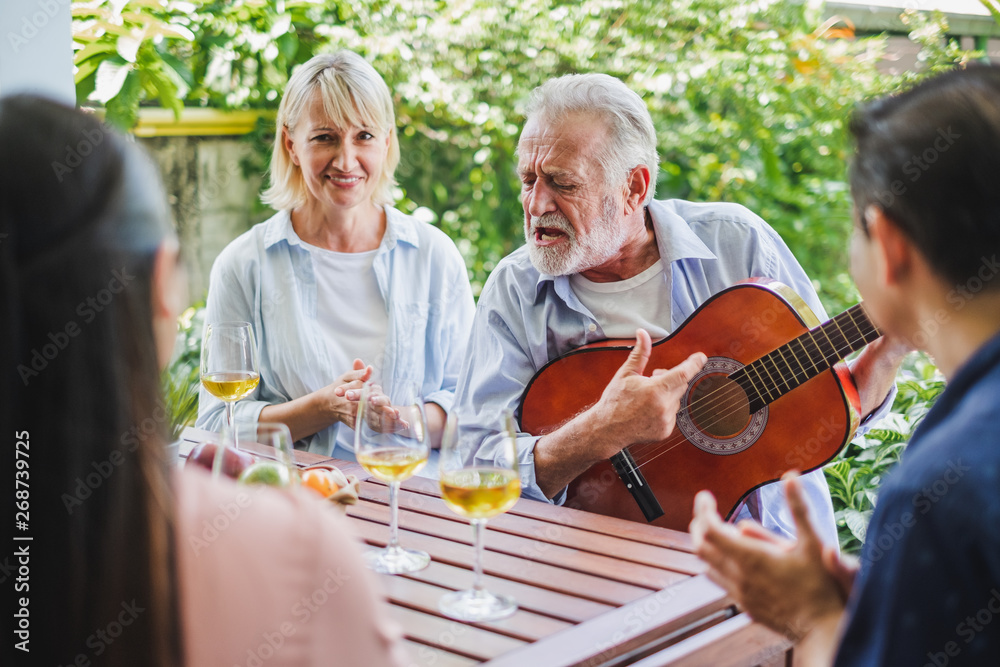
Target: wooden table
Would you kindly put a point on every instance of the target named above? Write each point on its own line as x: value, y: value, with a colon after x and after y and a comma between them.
x: 592, y: 590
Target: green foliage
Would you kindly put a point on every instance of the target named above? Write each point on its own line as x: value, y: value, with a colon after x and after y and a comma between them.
x: 994, y: 7
x: 181, y: 380
x: 749, y: 100
x: 859, y: 470
x: 938, y: 52
x: 122, y: 55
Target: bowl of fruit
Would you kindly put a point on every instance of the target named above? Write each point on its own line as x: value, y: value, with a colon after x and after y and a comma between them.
x: 331, y: 483
x: 233, y: 461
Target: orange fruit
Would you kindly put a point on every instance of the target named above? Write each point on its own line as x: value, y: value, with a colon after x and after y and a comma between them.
x: 321, y: 481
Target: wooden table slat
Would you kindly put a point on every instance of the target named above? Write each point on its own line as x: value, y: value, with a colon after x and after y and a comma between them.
x: 561, y: 606
x: 737, y: 642
x: 568, y: 516
x: 421, y: 596
x: 422, y: 655
x: 631, y: 626
x: 544, y: 534
x: 584, y: 562
x: 509, y: 567
x: 453, y: 636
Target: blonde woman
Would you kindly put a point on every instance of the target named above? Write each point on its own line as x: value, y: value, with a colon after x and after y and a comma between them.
x: 340, y: 286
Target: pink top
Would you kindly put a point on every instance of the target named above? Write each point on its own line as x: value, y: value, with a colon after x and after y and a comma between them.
x: 273, y: 577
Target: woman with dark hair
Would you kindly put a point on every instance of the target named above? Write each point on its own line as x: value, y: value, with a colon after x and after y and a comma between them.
x: 132, y: 562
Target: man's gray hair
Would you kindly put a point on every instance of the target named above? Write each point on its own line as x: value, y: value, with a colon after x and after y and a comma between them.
x: 632, y: 137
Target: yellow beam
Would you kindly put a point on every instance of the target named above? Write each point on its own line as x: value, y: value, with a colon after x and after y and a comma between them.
x: 157, y: 122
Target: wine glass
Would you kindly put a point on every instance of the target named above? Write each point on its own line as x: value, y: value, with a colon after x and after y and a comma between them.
x: 478, y: 493
x: 391, y: 442
x: 229, y: 366
x: 276, y: 436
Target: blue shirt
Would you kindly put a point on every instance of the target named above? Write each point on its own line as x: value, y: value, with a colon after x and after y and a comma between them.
x: 525, y: 319
x: 928, y: 592
x: 267, y: 277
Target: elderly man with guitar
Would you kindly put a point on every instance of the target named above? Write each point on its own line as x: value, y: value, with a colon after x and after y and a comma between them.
x: 632, y: 428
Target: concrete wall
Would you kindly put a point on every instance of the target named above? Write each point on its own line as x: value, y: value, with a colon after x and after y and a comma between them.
x: 212, y: 201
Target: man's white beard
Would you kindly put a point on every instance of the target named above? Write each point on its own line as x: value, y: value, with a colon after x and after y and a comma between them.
x: 578, y: 253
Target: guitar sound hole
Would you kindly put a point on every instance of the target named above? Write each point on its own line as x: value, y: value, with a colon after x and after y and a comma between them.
x: 718, y: 406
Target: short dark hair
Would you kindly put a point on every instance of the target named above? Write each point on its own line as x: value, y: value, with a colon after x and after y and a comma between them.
x: 930, y: 159
x: 82, y: 213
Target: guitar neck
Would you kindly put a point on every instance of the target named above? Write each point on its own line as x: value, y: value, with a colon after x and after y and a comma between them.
x: 775, y: 374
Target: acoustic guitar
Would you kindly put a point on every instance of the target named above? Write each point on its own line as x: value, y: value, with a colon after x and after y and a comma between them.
x: 774, y: 395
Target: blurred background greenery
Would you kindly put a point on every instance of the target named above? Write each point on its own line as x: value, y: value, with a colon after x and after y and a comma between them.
x: 750, y: 102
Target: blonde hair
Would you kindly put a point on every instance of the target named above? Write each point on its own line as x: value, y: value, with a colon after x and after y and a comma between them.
x: 353, y: 93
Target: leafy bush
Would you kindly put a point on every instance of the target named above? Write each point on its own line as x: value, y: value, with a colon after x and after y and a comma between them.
x: 181, y: 380
x: 123, y: 56
x: 750, y: 100
x: 855, y: 477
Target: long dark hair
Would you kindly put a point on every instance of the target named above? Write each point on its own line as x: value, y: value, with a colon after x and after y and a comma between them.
x: 81, y: 216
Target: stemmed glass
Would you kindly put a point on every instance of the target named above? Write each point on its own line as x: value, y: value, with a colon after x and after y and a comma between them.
x: 391, y: 442
x: 273, y: 434
x: 478, y: 493
x: 229, y: 366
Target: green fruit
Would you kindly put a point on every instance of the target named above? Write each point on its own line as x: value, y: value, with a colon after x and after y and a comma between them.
x: 266, y: 472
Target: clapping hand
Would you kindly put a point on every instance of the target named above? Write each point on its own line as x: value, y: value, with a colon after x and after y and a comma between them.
x: 791, y: 587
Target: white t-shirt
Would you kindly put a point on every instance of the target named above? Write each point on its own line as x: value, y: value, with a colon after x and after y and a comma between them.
x: 622, y: 307
x: 352, y: 314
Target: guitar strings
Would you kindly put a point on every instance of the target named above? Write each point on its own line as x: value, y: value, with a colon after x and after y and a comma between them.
x: 734, y: 397
x: 658, y: 449
x: 733, y: 391
x: 736, y: 391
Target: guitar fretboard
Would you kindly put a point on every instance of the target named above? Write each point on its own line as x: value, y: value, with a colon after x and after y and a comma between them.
x: 784, y: 369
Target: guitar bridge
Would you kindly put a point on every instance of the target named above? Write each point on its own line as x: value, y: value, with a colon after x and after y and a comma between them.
x: 629, y: 473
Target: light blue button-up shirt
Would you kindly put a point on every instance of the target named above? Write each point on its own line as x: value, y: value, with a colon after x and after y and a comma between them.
x: 267, y: 277
x: 525, y: 319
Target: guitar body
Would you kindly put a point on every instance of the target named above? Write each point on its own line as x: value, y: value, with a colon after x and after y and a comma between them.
x: 728, y: 450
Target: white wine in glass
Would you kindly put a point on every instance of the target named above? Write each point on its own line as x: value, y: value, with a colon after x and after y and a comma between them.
x: 478, y: 493
x: 229, y: 367
x: 391, y: 442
